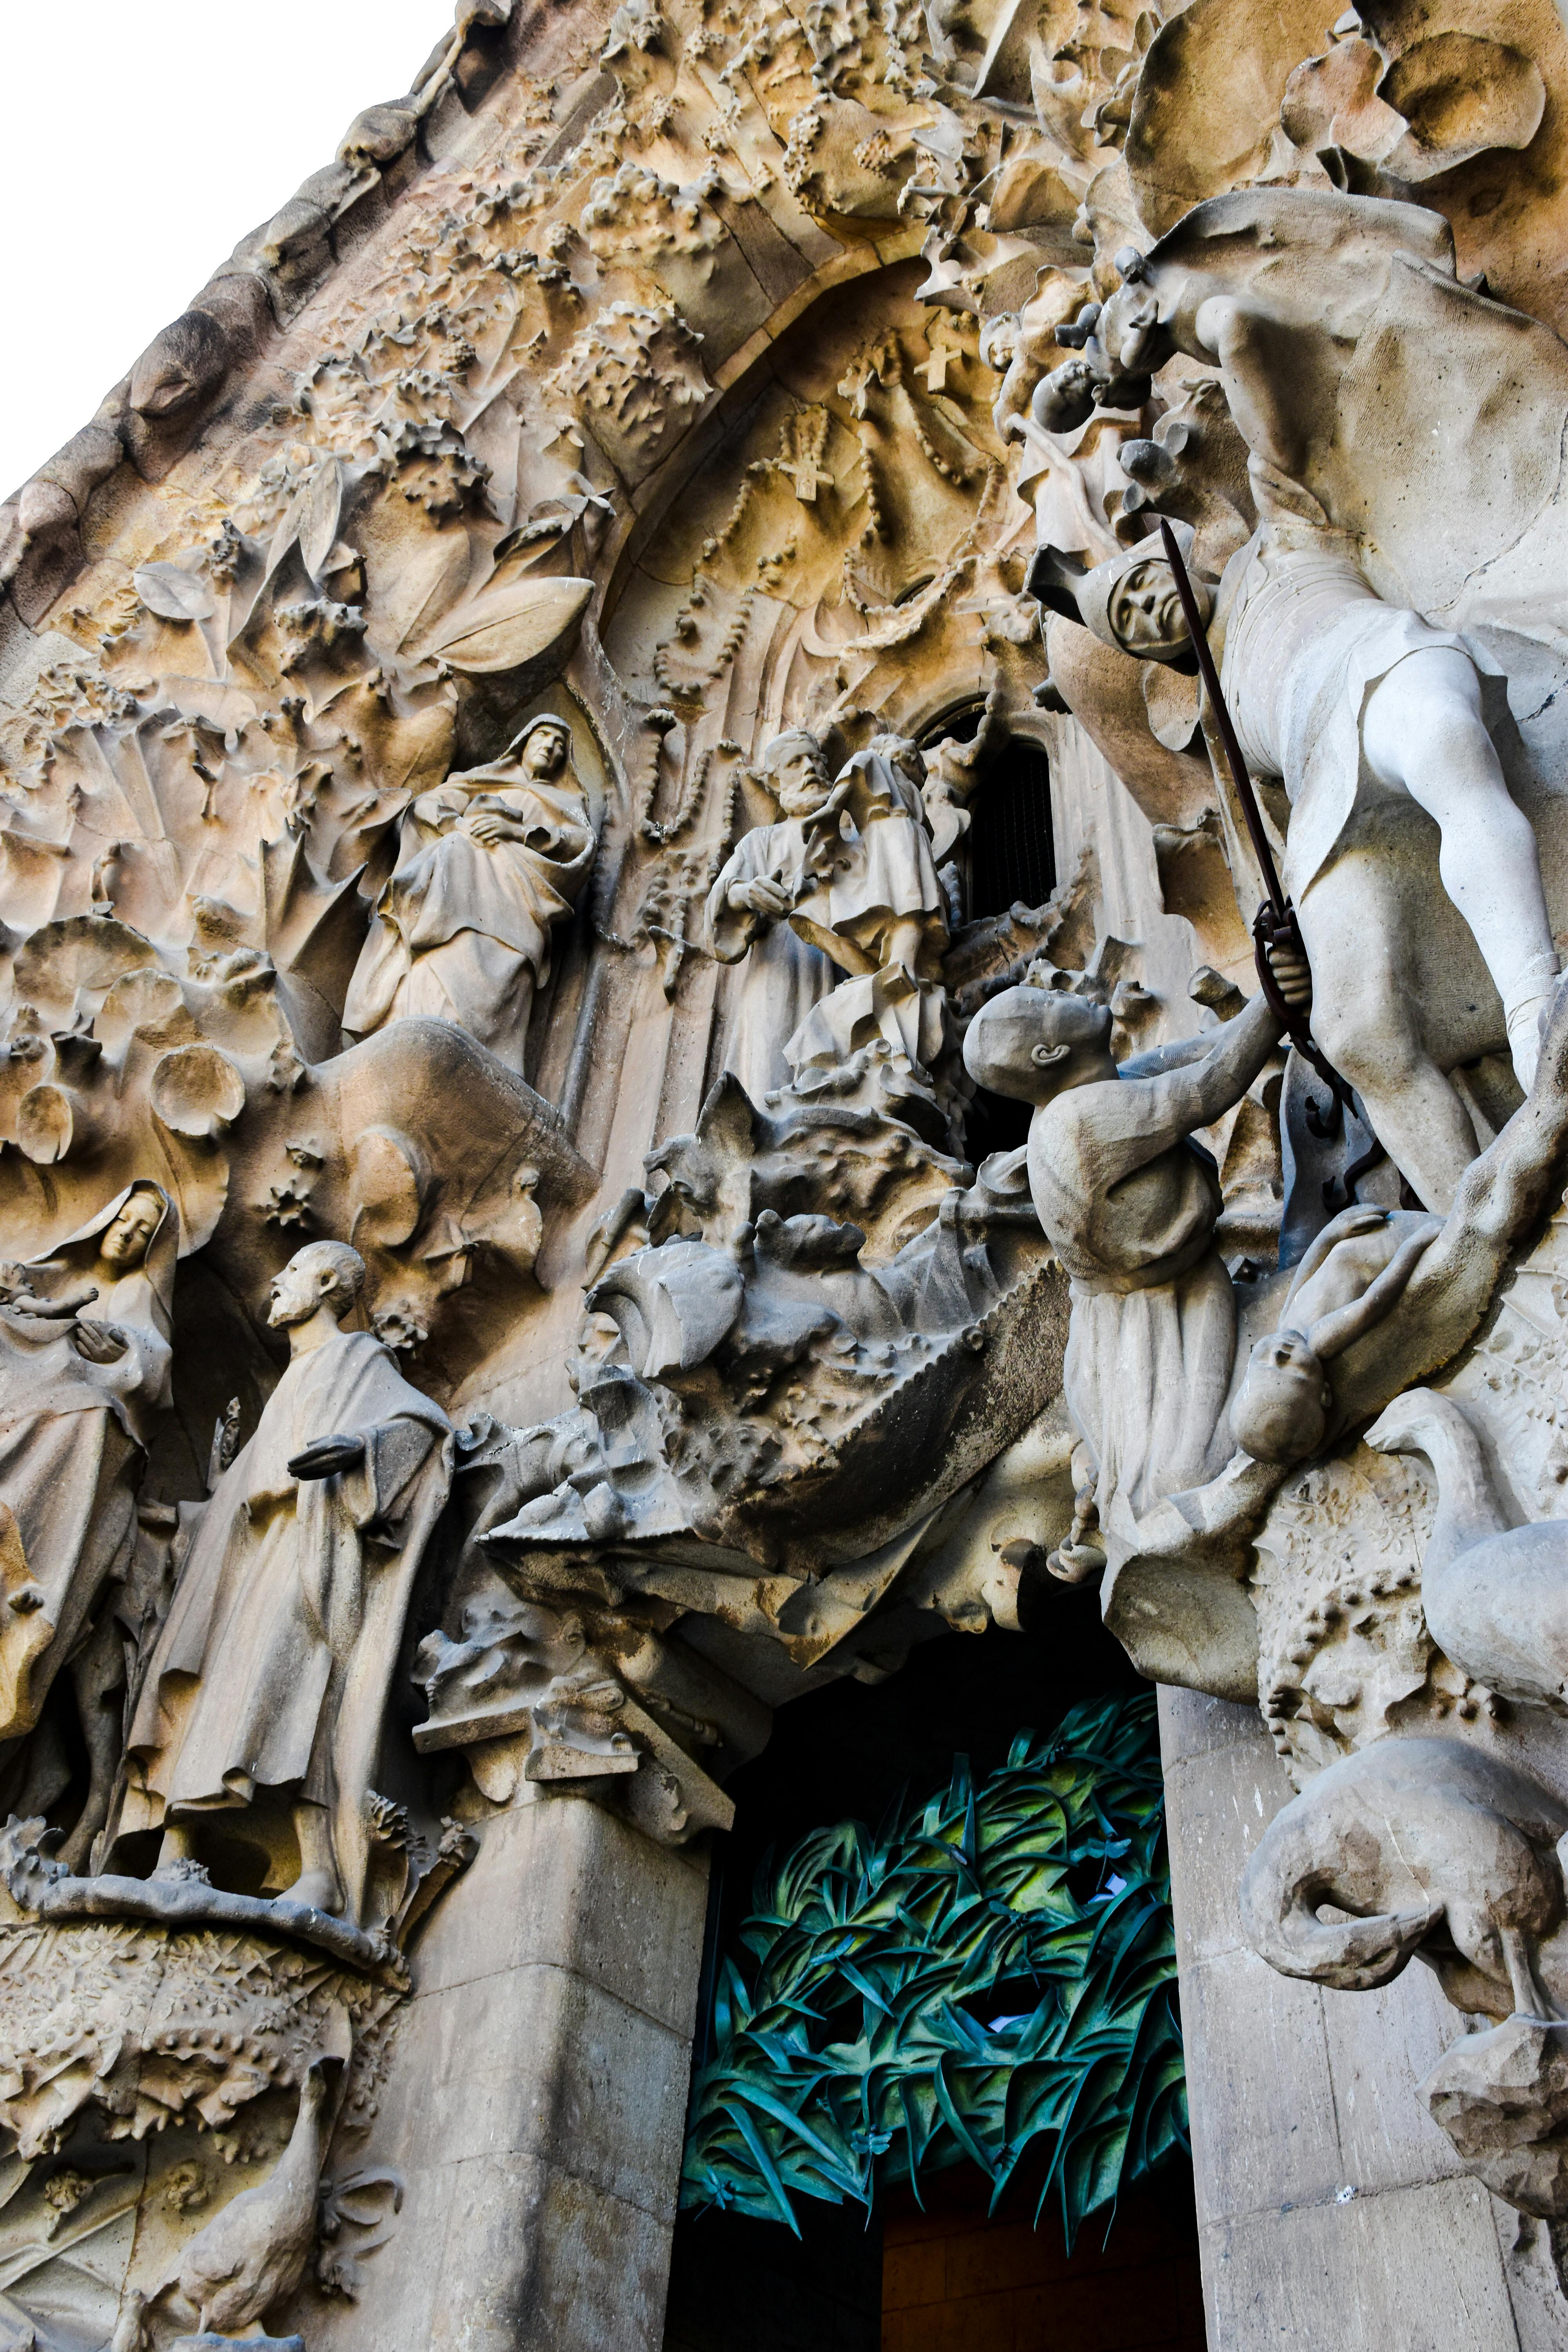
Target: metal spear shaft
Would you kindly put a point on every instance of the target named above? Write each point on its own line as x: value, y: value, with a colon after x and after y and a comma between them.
x: 1275, y: 923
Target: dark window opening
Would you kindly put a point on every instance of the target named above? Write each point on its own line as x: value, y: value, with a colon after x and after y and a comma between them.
x: 959, y: 724
x: 1012, y: 856
x: 1011, y: 861
x: 993, y: 1123
x: 944, y: 2270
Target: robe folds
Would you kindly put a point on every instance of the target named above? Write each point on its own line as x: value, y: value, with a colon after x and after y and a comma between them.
x: 72, y: 1434
x: 854, y: 872
x: 784, y: 976
x: 1151, y: 1342
x: 461, y: 930
x: 1307, y: 642
x: 275, y: 1665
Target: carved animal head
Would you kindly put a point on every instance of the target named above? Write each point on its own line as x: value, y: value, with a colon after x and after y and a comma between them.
x: 1421, y: 1840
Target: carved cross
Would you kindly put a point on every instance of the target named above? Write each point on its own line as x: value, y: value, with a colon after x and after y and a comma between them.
x: 808, y: 478
x: 945, y: 348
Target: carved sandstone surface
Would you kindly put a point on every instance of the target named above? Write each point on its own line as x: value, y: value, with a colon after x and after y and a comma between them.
x: 575, y: 736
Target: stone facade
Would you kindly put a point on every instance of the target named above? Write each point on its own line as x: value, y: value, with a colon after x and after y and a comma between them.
x: 504, y: 712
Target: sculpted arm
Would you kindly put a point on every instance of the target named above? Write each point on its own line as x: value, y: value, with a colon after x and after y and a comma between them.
x: 1259, y: 364
x: 1177, y: 1101
x: 1500, y: 1197
x: 732, y: 921
x: 1177, y: 1055
x: 1502, y: 1193
x: 378, y: 1465
x: 1117, y: 1128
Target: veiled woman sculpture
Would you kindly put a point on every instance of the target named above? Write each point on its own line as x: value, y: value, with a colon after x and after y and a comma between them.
x: 84, y: 1367
x: 489, y: 863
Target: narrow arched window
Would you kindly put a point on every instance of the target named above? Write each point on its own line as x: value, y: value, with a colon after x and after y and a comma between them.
x: 1006, y: 859
x: 1012, y: 856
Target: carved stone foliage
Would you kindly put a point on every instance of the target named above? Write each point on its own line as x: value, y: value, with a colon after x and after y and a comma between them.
x: 507, y: 712
x: 183, y: 2112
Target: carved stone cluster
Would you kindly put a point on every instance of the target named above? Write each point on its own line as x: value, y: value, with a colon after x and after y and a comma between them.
x: 507, y: 714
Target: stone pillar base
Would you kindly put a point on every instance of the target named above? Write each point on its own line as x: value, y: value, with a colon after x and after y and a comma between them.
x: 535, y: 2100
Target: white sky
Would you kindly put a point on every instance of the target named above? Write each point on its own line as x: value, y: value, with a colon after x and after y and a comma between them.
x: 142, y: 140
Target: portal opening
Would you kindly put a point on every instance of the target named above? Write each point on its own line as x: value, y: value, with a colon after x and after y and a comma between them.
x: 940, y: 2268
x: 1012, y: 852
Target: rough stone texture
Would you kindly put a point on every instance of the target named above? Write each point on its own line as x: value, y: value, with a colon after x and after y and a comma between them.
x: 1330, y: 2208
x: 537, y: 2094
x: 500, y: 711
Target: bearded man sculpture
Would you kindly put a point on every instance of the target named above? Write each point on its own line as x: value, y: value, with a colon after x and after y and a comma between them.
x: 490, y: 862
x: 267, y: 1693
x: 839, y: 912
x: 749, y: 909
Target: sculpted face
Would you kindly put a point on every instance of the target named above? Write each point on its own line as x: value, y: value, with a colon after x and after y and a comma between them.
x: 1145, y: 610
x: 1283, y: 1411
x: 801, y: 782
x: 1022, y: 1044
x: 126, y: 1240
x: 546, y: 750
x: 904, y: 754
x: 298, y: 1290
x: 1000, y: 340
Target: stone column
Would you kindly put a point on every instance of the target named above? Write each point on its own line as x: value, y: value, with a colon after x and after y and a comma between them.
x: 1333, y: 2212
x: 535, y: 2101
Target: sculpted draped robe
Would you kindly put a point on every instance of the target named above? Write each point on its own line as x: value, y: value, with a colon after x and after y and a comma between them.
x: 461, y: 930
x: 1152, y: 1336
x: 785, y: 975
x: 273, y: 1669
x: 71, y: 1440
x: 851, y: 881
x: 1130, y: 1207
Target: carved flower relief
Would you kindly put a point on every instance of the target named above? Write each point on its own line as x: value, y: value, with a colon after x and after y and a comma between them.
x: 1343, y: 1642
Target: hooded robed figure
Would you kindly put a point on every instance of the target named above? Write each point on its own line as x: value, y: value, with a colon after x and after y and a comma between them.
x: 268, y: 1690
x: 84, y: 1369
x: 489, y: 863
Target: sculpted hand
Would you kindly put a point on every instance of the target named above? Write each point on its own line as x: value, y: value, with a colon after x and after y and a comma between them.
x: 325, y: 1456
x: 1067, y: 397
x: 1364, y: 1218
x: 489, y: 827
x: 99, y: 1343
x: 763, y: 896
x: 1292, y: 974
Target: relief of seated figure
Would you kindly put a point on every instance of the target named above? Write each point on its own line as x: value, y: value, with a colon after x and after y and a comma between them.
x: 1354, y: 705
x: 488, y: 864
